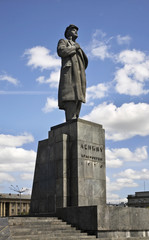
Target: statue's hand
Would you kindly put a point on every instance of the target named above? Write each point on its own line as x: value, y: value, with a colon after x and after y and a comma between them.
x: 77, y: 46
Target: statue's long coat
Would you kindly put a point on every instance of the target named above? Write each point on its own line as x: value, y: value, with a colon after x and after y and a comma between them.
x: 72, y: 86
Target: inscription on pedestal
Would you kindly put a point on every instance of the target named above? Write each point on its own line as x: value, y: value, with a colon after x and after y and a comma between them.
x: 91, y: 152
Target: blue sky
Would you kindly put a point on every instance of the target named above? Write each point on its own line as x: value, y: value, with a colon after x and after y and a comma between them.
x: 115, y: 36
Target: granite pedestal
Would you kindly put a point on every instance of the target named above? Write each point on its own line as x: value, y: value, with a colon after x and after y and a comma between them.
x: 70, y: 167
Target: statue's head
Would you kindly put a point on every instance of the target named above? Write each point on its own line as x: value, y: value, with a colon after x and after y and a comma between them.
x: 71, y: 30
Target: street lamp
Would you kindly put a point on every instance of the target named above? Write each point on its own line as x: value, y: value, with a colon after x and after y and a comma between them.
x: 20, y: 191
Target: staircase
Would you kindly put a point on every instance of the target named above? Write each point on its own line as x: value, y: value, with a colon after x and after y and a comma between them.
x: 42, y: 228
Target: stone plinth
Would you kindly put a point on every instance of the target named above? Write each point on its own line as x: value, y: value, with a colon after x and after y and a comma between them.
x: 70, y: 167
x: 108, y: 221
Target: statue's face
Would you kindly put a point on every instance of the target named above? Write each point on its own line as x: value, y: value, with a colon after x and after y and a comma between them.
x: 73, y: 33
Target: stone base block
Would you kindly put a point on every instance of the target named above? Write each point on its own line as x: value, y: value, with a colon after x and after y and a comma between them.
x: 70, y: 168
x: 108, y: 221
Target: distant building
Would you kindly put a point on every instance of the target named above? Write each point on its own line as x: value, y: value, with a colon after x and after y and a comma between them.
x: 10, y: 204
x: 140, y: 199
x: 121, y: 204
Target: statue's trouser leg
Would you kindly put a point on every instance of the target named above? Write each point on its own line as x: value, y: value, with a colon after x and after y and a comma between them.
x: 78, y: 108
x: 72, y: 110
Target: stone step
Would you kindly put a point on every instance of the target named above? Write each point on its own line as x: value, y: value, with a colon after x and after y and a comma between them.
x: 38, y: 224
x: 29, y: 220
x: 20, y: 232
x: 45, y: 229
x: 44, y: 224
x: 42, y: 227
x: 48, y: 237
x: 35, y: 218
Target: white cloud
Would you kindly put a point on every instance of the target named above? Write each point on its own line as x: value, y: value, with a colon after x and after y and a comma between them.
x: 132, y: 174
x: 17, y: 167
x: 115, y: 198
x: 15, y: 141
x: 112, y: 161
x: 97, y: 92
x: 116, y: 157
x: 123, y: 39
x: 100, y: 50
x: 17, y: 155
x: 14, y: 158
x: 6, y: 177
x: 122, y: 122
x: 27, y: 176
x: 53, y: 80
x: 131, y: 57
x: 112, y: 197
x: 99, y: 34
x: 117, y: 185
x: 120, y: 183
x: 99, y: 46
x: 127, y: 85
x: 40, y: 57
x: 50, y: 105
x: 8, y: 78
x: 131, y: 78
x: 17, y: 159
